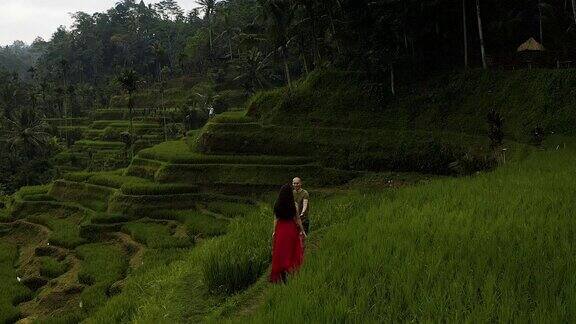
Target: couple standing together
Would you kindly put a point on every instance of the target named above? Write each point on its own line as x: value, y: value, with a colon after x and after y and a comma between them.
x: 291, y: 224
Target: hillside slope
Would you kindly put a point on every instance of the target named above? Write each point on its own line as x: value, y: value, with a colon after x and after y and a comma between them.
x: 454, y: 102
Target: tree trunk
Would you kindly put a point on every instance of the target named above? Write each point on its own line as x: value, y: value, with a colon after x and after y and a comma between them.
x: 130, y: 106
x: 465, y: 29
x: 481, y: 35
x: 210, y: 30
x: 286, y: 68
x: 230, y: 45
x: 333, y: 28
x: 574, y: 10
x: 541, y: 26
x: 315, y: 47
x: 392, y: 80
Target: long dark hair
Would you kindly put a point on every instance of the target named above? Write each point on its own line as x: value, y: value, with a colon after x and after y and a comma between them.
x: 284, y: 208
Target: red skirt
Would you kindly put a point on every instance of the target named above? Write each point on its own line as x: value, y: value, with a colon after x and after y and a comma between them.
x: 287, y: 251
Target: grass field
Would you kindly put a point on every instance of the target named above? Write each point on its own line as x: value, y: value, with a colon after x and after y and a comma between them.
x: 493, y: 247
x: 496, y: 247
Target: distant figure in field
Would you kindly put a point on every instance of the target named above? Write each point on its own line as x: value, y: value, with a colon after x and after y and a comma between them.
x: 211, y: 112
x: 287, y: 251
x: 301, y: 200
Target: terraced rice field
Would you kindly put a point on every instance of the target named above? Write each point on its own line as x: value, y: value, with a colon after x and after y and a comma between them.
x: 93, y: 229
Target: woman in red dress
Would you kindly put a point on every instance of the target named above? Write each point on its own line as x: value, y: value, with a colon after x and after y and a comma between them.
x: 287, y: 251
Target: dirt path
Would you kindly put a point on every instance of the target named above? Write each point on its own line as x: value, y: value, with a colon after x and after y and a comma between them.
x: 134, y: 249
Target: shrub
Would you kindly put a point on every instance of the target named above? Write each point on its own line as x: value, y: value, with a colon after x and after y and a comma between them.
x: 111, y: 134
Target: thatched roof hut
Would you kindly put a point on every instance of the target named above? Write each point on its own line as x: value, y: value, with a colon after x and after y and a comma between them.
x: 531, y: 45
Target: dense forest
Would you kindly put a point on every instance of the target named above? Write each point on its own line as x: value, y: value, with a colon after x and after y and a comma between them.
x: 259, y: 42
x: 254, y: 45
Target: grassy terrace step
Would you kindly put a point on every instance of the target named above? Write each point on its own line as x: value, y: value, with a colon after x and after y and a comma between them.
x: 23, y: 208
x: 99, y: 145
x: 28, y: 193
x: 115, y: 114
x: 63, y: 158
x: 68, y: 121
x: 103, y: 124
x: 145, y: 205
x: 94, y: 134
x: 91, y: 196
x: 178, y: 152
x: 143, y: 168
x: 112, y: 179
x: 63, y: 129
x: 130, y: 185
x: 212, y: 174
x: 356, y: 149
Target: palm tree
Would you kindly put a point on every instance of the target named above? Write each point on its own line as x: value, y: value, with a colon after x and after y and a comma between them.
x: 280, y: 13
x: 128, y: 79
x: 254, y: 70
x: 208, y: 7
x: 27, y: 132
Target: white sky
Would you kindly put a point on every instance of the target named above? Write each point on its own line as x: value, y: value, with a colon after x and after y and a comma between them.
x: 26, y: 19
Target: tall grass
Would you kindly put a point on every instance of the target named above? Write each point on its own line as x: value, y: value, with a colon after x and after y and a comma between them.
x: 497, y: 247
x: 228, y: 266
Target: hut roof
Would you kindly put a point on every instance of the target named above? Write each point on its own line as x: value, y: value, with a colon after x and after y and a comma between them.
x: 531, y: 45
